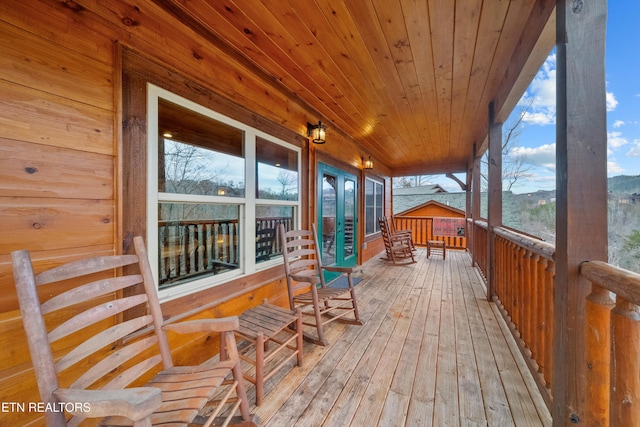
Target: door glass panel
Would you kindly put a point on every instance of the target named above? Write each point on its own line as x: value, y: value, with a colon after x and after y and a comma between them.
x: 349, y: 216
x: 328, y: 219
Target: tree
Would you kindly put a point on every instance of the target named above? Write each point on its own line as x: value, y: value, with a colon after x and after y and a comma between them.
x: 289, y: 182
x: 514, y: 165
x: 412, y: 181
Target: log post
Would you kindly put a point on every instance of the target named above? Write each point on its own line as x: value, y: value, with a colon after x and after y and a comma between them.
x: 475, y: 204
x: 494, y: 210
x: 581, y: 186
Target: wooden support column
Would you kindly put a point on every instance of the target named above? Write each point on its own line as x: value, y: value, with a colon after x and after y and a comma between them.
x: 494, y: 210
x: 475, y: 202
x: 468, y: 205
x: 581, y: 185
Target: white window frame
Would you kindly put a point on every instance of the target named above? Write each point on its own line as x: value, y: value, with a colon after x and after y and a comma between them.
x: 247, y: 203
x: 375, y: 220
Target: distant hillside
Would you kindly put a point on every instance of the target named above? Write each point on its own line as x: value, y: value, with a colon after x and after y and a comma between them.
x: 624, y: 184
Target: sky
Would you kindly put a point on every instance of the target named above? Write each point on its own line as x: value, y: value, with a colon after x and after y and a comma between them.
x: 536, y: 141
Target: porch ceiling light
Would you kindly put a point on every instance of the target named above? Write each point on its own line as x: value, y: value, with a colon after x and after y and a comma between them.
x: 367, y: 163
x: 317, y: 132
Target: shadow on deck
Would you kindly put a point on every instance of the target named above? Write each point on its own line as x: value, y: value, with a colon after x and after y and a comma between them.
x: 432, y: 351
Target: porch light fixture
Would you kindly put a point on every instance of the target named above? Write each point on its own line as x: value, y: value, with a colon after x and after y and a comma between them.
x: 367, y: 163
x: 317, y: 132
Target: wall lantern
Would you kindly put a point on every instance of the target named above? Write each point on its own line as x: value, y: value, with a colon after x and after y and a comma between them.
x: 317, y: 132
x: 367, y: 163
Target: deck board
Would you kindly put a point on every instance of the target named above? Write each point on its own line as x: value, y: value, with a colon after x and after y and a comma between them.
x: 432, y: 351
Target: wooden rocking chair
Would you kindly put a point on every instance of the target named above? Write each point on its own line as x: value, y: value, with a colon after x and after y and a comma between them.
x: 99, y: 334
x: 303, y: 269
x: 399, y: 247
x: 395, y: 232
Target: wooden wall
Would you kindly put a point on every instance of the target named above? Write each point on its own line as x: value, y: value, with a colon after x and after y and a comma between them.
x: 435, y: 210
x: 61, y: 175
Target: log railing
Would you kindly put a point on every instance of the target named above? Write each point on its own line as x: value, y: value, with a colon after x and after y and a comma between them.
x: 612, y: 347
x: 480, y: 248
x: 523, y: 291
x: 422, y: 231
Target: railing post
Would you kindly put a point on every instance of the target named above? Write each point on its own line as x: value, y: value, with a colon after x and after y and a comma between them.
x: 598, y: 352
x: 625, y: 375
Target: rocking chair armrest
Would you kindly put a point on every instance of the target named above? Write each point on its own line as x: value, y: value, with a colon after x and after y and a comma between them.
x: 337, y: 269
x: 134, y: 403
x: 223, y: 324
x: 313, y: 279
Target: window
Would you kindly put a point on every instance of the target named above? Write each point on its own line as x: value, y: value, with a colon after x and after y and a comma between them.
x: 217, y: 191
x: 374, y: 205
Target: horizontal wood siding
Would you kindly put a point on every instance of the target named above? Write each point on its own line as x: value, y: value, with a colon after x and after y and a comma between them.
x: 60, y: 174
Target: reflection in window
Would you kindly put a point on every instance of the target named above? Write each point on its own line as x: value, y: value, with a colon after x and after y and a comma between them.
x: 268, y: 220
x: 277, y: 174
x: 197, y: 154
x: 373, y: 205
x: 196, y: 240
x: 329, y: 214
x: 349, y: 215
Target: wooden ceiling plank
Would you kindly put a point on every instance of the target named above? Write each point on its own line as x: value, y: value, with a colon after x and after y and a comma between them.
x: 195, y: 55
x: 392, y: 23
x: 349, y: 68
x: 490, y: 27
x: 252, y: 40
x: 399, y: 114
x: 419, y: 30
x: 442, y: 17
x: 408, y: 80
x: 466, y: 32
x: 355, y: 52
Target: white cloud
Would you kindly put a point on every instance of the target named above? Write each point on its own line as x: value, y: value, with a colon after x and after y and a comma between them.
x: 541, y: 95
x: 612, y: 102
x: 545, y: 116
x: 616, y: 140
x: 618, y: 123
x: 614, y: 167
x: 544, y: 156
x: 635, y: 149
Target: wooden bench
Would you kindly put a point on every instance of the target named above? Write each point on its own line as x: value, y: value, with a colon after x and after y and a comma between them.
x: 270, y: 331
x: 99, y: 348
x: 437, y: 247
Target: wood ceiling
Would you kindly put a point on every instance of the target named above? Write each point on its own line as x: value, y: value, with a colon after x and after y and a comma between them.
x: 409, y: 80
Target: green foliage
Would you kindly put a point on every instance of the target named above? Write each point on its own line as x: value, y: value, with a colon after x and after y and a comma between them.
x: 632, y: 241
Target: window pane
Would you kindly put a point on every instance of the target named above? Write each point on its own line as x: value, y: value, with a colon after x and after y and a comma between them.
x: 369, y: 207
x: 268, y: 220
x: 374, y: 206
x: 277, y: 171
x: 379, y: 204
x: 196, y: 240
x: 197, y: 154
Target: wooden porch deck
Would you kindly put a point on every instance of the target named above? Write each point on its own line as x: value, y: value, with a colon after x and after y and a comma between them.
x: 432, y: 351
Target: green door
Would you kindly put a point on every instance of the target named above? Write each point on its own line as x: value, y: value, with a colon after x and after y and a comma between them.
x: 337, y: 210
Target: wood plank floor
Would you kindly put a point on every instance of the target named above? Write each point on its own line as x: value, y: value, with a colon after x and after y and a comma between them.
x: 432, y: 352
